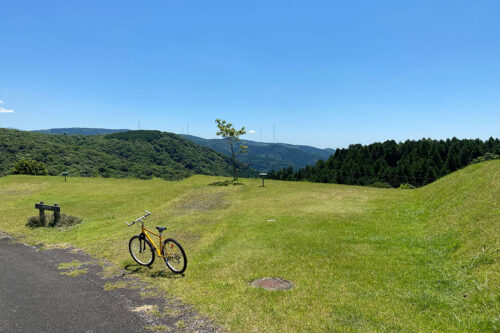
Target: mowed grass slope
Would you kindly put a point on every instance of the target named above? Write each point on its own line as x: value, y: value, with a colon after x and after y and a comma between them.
x: 361, y: 259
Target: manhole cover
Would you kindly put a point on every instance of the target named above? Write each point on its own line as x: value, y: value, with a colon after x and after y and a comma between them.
x: 272, y: 283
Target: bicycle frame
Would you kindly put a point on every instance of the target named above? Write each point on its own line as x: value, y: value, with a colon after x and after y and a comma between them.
x: 146, y: 232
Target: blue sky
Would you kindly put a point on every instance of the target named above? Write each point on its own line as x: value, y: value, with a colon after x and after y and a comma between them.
x: 326, y: 73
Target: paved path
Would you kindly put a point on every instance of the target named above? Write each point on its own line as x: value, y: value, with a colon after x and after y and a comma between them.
x: 36, y: 297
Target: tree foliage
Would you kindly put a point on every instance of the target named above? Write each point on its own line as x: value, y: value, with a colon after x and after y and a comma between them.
x: 413, y: 162
x: 232, y: 135
x: 29, y: 167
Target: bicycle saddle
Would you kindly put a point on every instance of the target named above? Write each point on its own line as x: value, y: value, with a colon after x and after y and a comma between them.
x: 160, y: 229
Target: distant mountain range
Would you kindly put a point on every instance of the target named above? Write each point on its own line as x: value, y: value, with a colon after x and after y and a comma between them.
x: 269, y: 156
x: 263, y: 156
x: 80, y: 131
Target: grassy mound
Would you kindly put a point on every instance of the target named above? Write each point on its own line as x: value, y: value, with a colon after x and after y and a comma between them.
x: 360, y: 258
x: 460, y: 221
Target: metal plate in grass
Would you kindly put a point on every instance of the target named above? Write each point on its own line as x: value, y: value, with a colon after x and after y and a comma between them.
x: 272, y: 283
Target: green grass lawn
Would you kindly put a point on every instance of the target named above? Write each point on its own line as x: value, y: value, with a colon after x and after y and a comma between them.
x: 361, y: 259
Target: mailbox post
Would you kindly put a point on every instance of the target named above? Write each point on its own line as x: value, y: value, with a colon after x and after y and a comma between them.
x: 65, y: 174
x: 263, y: 176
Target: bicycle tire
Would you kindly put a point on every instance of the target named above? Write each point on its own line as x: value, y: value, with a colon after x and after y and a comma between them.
x: 177, y: 261
x: 141, y: 250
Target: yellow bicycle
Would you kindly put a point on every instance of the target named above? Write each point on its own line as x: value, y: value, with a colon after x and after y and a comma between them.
x: 143, y: 249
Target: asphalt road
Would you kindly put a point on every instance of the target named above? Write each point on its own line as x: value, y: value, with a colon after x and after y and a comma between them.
x: 35, y: 297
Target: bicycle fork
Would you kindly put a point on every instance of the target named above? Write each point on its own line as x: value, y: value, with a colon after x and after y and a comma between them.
x: 142, y: 243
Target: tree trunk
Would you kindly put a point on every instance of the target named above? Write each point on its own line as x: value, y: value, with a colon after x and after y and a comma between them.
x: 235, y: 174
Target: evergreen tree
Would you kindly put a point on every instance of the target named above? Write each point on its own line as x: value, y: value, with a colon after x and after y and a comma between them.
x: 416, y: 162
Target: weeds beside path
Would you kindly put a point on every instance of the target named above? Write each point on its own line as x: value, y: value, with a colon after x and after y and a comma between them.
x: 62, y: 290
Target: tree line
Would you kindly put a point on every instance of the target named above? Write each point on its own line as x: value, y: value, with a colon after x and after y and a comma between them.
x: 394, y: 163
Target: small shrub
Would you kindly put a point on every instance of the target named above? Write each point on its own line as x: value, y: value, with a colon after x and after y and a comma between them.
x: 381, y: 185
x: 65, y: 221
x: 34, y: 222
x: 487, y: 157
x: 29, y: 167
x: 407, y: 186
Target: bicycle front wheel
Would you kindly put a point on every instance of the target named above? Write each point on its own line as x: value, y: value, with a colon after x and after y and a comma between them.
x: 174, y: 256
x: 141, y: 250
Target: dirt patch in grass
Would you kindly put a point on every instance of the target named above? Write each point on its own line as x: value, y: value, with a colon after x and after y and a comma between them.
x: 201, y: 202
x: 225, y: 183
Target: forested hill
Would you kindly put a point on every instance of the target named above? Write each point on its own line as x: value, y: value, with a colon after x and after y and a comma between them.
x: 415, y: 162
x: 266, y: 156
x: 142, y: 154
x: 263, y: 156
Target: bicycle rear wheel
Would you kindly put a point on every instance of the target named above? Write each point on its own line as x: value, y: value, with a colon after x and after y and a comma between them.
x: 141, y: 250
x: 174, y: 256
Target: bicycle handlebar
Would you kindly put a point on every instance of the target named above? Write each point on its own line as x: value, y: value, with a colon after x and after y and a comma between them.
x: 139, y: 219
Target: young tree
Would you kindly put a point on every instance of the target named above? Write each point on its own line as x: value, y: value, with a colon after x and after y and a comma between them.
x: 227, y: 131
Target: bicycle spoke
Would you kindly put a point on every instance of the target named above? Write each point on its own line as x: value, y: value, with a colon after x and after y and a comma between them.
x: 174, y: 257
